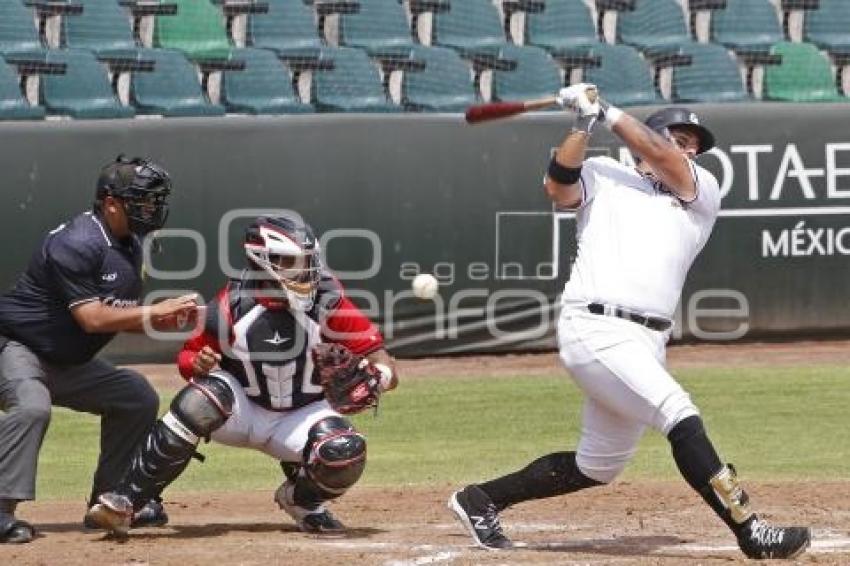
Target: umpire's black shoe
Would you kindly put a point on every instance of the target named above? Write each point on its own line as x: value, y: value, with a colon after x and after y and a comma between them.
x: 15, y: 531
x: 759, y: 540
x: 479, y: 516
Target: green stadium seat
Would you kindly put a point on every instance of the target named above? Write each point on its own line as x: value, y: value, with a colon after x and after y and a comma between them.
x: 353, y: 85
x: 470, y: 26
x: 103, y: 27
x: 712, y: 76
x: 380, y: 27
x: 623, y: 77
x: 829, y: 26
x: 564, y: 26
x: 805, y: 75
x: 83, y: 91
x: 172, y: 89
x: 197, y: 29
x: 746, y: 25
x: 18, y: 35
x: 12, y: 104
x: 288, y: 28
x: 654, y: 26
x: 535, y: 75
x: 263, y: 87
x: 444, y: 85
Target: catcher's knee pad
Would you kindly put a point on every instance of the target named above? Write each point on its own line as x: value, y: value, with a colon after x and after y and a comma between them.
x: 200, y: 408
x: 335, y: 455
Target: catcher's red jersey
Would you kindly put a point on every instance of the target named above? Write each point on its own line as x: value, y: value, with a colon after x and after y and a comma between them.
x: 267, y: 349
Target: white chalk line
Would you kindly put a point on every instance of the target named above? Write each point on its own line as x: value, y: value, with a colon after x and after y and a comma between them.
x: 824, y: 542
x: 444, y: 556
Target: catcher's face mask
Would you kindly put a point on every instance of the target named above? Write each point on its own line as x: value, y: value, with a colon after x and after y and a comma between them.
x: 289, y: 259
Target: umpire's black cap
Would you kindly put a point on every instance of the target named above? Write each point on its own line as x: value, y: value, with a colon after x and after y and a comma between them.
x: 678, y: 116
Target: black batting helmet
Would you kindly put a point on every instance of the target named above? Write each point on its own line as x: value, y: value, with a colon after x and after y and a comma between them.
x: 681, y: 117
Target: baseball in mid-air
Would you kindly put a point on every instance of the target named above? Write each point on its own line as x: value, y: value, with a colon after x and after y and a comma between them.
x: 425, y: 286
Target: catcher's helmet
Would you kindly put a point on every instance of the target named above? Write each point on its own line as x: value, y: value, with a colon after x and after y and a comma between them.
x: 142, y: 185
x: 682, y: 117
x: 286, y: 251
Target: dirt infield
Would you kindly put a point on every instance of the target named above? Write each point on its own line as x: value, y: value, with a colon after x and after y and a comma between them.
x: 628, y: 523
x: 634, y: 523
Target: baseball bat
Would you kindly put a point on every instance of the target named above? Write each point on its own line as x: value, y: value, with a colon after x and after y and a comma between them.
x: 496, y: 110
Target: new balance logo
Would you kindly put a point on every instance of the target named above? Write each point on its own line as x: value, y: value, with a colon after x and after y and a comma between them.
x: 109, y: 276
x: 276, y: 340
x: 478, y: 523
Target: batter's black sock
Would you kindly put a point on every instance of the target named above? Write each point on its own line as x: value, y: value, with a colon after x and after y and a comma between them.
x: 698, y: 462
x: 553, y: 474
x: 8, y: 506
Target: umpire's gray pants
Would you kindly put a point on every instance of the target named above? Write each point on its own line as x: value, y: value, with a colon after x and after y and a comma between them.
x: 125, y: 401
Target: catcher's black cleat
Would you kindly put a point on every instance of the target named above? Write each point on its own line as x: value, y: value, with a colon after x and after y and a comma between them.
x: 112, y: 513
x: 315, y: 520
x: 480, y: 518
x: 151, y: 515
x: 758, y: 540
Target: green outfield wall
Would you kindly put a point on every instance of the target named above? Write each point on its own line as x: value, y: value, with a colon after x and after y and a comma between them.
x: 396, y: 195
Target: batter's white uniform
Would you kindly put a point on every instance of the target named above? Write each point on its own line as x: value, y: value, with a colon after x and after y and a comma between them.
x: 636, y: 242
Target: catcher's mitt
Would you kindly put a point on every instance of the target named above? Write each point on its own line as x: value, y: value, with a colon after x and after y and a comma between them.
x: 350, y: 382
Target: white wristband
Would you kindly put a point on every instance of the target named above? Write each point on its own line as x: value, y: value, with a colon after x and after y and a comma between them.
x: 612, y: 114
x: 386, y: 375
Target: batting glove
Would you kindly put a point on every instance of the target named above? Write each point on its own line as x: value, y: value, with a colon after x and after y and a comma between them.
x: 575, y: 97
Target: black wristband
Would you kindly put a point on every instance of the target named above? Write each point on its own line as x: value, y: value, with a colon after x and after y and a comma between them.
x: 561, y: 174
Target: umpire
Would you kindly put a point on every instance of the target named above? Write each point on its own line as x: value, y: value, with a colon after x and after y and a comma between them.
x: 82, y: 286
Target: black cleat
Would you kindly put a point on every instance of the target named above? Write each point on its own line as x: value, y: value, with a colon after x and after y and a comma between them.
x: 479, y: 517
x: 15, y: 531
x: 315, y: 520
x: 151, y: 515
x: 758, y: 540
x: 321, y: 522
x: 112, y: 513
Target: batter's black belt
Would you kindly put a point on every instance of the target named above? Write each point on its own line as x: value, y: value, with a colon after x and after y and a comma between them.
x: 653, y: 322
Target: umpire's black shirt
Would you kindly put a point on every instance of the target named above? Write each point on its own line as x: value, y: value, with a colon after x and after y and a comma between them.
x: 77, y: 262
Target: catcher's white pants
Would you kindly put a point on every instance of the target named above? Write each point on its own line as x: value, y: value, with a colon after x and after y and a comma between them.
x: 281, y: 435
x: 620, y: 366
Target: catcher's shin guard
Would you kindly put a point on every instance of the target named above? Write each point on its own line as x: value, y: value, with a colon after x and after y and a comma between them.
x: 198, y: 409
x: 334, y: 459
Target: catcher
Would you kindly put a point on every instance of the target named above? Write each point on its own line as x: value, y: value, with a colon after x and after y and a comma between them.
x: 282, y: 356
